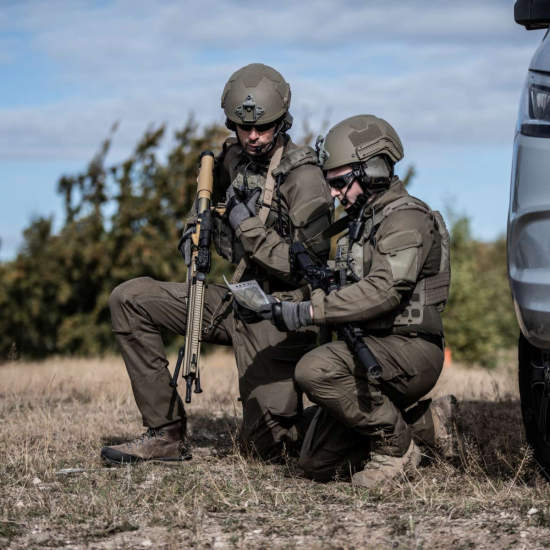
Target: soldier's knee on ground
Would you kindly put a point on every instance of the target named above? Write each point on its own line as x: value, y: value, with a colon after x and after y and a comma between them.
x: 326, y: 465
x: 313, y: 470
x: 268, y: 436
x: 260, y: 442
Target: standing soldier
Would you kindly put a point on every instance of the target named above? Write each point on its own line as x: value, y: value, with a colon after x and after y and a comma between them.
x: 255, y: 100
x: 396, y: 255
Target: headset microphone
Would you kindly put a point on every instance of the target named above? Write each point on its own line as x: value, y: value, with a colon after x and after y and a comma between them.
x: 344, y: 201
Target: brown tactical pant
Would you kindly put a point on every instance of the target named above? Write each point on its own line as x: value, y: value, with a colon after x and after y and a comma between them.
x: 266, y: 360
x: 356, y: 413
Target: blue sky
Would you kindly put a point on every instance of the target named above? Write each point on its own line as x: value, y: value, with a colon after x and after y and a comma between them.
x: 447, y: 75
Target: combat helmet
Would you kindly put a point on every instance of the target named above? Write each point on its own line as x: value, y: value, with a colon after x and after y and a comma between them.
x: 257, y: 95
x: 369, y: 144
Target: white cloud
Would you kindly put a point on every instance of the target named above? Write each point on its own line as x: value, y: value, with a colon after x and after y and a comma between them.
x: 440, y: 72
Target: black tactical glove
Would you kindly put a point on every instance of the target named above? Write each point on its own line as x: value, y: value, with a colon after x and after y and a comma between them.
x: 249, y: 316
x: 184, y: 245
x: 287, y: 316
x: 238, y: 207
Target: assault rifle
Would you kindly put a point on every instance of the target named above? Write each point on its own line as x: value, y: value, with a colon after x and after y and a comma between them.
x: 200, y: 265
x: 328, y: 280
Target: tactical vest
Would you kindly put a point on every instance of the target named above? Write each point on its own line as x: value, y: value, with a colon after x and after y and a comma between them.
x: 225, y: 241
x: 432, y: 287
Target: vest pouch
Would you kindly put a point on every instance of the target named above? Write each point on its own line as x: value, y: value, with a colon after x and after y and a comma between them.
x: 226, y: 243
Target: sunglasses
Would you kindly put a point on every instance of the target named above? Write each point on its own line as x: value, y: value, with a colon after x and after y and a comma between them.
x: 258, y: 127
x: 340, y: 182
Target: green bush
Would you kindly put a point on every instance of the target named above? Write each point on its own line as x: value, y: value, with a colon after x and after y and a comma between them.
x: 122, y: 221
x: 479, y: 319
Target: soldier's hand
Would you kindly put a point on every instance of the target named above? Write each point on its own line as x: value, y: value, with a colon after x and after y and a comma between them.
x: 251, y: 317
x: 238, y: 209
x: 288, y: 316
x: 184, y: 246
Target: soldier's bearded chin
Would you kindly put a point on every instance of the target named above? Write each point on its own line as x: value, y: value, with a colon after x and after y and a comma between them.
x: 255, y: 151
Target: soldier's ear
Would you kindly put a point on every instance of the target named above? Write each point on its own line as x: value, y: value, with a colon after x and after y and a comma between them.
x: 230, y: 125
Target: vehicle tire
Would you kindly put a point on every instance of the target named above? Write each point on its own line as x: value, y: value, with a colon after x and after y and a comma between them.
x: 534, y: 391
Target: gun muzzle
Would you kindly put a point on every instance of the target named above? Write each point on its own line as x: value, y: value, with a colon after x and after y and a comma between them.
x: 206, y: 181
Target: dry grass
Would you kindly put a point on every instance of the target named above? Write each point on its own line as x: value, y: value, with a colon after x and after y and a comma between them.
x: 59, y: 413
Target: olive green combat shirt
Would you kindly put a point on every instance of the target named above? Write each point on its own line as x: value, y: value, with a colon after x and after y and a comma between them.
x: 389, y: 272
x: 307, y: 208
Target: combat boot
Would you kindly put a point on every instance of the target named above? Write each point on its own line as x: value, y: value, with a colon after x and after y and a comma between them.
x: 382, y: 468
x: 447, y: 427
x: 165, y: 444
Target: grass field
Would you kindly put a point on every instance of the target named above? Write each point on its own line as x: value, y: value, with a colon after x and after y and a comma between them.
x: 58, y: 414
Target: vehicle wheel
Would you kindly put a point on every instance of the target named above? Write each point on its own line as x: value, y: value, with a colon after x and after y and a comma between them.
x: 534, y: 390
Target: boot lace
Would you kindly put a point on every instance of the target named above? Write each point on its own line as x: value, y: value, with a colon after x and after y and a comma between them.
x: 147, y: 436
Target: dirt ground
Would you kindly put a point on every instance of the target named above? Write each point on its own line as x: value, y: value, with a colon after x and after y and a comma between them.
x: 57, y: 415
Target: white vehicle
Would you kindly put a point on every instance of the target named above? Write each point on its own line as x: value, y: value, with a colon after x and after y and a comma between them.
x: 529, y: 235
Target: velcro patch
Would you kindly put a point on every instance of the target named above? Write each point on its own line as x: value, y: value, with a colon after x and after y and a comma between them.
x: 402, y: 253
x: 399, y: 241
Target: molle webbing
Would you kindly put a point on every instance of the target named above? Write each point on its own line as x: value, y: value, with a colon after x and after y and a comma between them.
x: 437, y: 286
x: 431, y: 290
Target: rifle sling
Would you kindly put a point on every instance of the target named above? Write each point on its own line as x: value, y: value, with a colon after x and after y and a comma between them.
x: 337, y: 227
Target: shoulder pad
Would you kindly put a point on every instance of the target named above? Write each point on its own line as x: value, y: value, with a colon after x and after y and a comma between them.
x: 406, y: 203
x: 403, y: 203
x: 227, y: 144
x: 298, y: 157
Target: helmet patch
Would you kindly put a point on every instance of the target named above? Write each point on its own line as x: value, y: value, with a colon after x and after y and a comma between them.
x: 272, y: 74
x: 253, y: 74
x: 371, y: 133
x: 359, y: 123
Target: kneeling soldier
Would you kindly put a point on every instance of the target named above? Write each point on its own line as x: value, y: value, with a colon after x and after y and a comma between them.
x: 275, y: 195
x: 396, y: 259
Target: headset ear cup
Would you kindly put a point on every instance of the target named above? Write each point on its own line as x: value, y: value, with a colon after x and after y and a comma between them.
x: 230, y: 125
x: 365, y: 179
x: 288, y: 120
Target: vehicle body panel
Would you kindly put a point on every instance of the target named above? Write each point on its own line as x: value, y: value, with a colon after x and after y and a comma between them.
x: 529, y: 225
x: 541, y: 58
